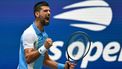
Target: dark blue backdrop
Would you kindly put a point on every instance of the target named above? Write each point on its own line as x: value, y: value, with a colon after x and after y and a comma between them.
x: 17, y: 15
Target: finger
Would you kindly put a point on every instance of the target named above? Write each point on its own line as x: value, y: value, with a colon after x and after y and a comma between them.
x: 70, y: 65
x: 49, y: 41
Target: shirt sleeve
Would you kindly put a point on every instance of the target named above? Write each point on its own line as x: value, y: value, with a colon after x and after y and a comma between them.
x: 28, y: 40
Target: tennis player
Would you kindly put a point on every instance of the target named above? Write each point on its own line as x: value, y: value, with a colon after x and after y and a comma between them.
x: 35, y: 43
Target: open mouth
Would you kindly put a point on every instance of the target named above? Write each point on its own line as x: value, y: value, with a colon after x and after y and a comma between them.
x: 47, y: 17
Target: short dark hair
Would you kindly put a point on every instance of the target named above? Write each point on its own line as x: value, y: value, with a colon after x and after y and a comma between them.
x: 37, y: 6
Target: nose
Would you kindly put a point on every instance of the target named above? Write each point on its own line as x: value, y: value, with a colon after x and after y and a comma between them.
x: 48, y: 12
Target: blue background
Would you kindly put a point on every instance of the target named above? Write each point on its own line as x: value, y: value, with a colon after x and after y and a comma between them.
x: 17, y: 15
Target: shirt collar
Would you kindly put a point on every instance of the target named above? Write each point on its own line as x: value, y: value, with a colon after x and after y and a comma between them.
x: 36, y: 29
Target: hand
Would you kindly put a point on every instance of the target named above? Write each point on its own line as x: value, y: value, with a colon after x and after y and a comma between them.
x: 70, y: 65
x: 48, y: 43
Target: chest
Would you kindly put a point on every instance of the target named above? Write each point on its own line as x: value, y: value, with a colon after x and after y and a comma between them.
x: 40, y: 40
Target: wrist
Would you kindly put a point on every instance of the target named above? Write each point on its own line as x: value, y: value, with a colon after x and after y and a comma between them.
x: 60, y: 66
x: 42, y: 50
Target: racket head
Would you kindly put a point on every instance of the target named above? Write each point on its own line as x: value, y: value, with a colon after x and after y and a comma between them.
x: 78, y: 46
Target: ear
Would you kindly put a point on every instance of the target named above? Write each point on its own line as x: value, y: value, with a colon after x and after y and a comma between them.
x: 37, y: 14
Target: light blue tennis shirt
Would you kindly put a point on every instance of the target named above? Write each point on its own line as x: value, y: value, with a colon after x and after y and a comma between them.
x: 31, y: 38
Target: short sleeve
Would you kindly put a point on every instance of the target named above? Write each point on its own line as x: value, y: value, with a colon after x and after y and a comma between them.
x: 28, y: 40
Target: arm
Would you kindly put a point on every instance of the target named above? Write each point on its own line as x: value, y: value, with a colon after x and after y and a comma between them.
x: 54, y: 65
x: 49, y: 62
x: 31, y: 55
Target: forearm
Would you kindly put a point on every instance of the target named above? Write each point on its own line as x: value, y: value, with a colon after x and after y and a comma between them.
x: 51, y: 64
x: 31, y: 55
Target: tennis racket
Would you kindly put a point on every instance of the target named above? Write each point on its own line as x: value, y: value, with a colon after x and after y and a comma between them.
x: 78, y: 46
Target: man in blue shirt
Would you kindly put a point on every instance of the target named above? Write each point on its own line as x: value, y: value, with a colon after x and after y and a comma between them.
x: 35, y: 42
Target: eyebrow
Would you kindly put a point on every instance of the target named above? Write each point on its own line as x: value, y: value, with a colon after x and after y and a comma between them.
x: 46, y: 10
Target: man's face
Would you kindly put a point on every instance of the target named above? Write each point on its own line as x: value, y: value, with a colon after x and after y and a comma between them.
x: 44, y: 15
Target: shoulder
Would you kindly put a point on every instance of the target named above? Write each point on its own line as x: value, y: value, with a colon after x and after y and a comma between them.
x: 29, y: 33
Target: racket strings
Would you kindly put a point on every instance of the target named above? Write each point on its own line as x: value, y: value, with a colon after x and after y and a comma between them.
x: 78, y: 37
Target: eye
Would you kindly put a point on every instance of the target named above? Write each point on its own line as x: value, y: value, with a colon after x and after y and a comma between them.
x: 46, y: 10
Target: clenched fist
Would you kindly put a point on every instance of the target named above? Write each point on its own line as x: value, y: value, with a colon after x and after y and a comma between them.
x: 48, y: 43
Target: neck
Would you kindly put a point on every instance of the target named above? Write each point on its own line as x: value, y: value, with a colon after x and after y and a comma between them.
x: 39, y: 25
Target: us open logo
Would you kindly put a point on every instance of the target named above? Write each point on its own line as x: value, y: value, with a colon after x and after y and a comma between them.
x: 93, y: 15
x: 96, y: 14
